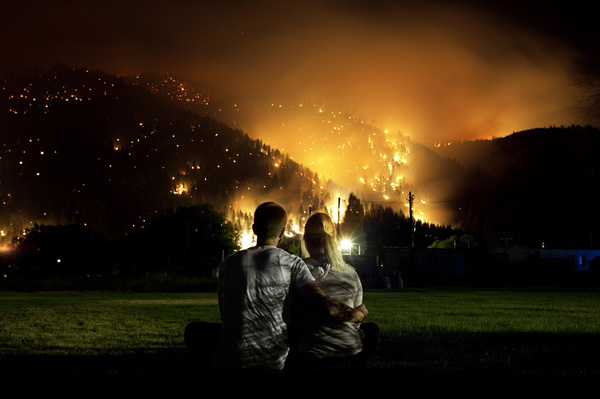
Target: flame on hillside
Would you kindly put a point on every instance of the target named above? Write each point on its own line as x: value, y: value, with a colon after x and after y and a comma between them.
x: 348, y: 152
x: 339, y: 146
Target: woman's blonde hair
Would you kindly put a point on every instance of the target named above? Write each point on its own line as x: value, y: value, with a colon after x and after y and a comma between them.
x: 320, y: 233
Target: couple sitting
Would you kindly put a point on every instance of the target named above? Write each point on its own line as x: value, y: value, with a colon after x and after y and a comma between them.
x: 278, y: 310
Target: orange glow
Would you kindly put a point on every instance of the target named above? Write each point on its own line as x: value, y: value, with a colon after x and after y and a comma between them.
x: 247, y: 240
x: 179, y: 189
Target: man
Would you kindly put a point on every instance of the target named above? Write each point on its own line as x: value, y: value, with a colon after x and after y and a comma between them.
x: 254, y: 298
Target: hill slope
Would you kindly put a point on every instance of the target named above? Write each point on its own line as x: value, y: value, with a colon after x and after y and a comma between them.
x: 540, y: 186
x: 79, y: 146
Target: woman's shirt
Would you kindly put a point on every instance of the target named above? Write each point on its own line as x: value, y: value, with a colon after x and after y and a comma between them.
x: 318, y: 336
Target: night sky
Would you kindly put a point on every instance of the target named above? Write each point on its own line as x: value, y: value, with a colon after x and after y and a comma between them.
x: 432, y: 71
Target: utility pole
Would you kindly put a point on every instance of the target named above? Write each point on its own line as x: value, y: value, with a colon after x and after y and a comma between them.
x: 411, y: 197
x: 411, y: 254
x: 338, y: 224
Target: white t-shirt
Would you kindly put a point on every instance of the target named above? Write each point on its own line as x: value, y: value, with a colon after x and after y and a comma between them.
x: 321, y: 337
x: 254, y: 299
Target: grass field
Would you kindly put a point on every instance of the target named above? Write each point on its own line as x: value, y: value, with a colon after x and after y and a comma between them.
x: 487, y: 339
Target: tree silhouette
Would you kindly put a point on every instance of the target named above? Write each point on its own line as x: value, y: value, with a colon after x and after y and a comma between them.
x: 63, y: 251
x: 189, y: 241
x: 352, y: 225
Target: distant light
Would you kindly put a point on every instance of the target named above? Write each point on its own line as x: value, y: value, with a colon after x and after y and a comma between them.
x: 346, y: 245
x: 247, y: 239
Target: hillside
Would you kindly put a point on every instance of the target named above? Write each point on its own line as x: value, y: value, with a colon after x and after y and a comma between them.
x: 80, y: 146
x: 344, y: 147
x: 531, y: 188
x: 536, y: 187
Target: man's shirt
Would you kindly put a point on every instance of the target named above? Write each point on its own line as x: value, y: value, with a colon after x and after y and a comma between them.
x: 254, y: 299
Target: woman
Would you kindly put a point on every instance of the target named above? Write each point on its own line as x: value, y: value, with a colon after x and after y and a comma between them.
x: 317, y: 340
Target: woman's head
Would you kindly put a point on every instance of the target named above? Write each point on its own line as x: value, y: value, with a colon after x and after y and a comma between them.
x: 320, y: 240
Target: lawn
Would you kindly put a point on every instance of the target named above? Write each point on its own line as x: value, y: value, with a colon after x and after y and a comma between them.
x: 99, y: 323
x: 488, y: 339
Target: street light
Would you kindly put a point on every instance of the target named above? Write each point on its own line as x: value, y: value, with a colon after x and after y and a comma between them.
x: 346, y: 246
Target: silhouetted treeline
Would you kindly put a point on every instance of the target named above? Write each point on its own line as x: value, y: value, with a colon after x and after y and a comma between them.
x: 385, y: 227
x: 190, y: 241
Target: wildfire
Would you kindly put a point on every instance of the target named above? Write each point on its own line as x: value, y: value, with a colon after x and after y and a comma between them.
x: 247, y: 239
x: 384, y: 156
x: 179, y: 189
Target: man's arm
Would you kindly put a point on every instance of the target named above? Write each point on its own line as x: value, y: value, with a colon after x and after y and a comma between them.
x: 315, y: 296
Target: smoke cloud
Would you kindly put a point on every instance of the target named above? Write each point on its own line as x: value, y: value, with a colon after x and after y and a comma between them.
x: 434, y: 71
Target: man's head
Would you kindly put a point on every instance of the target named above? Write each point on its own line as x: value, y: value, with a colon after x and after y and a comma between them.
x: 270, y: 219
